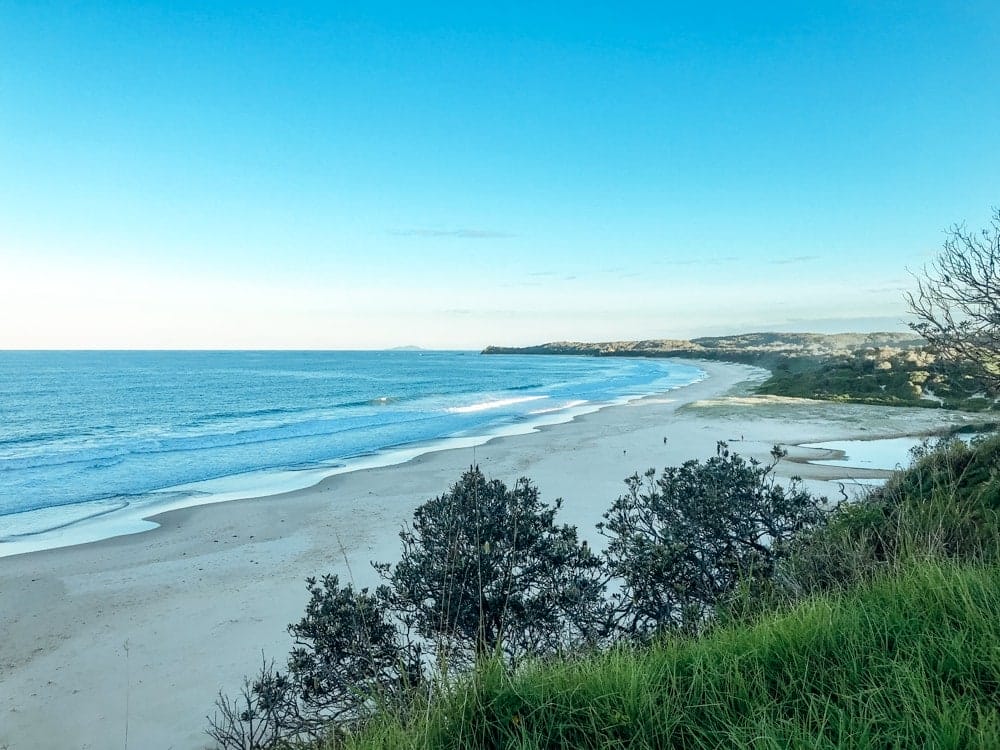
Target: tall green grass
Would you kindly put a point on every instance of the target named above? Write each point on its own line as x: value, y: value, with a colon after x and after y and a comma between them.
x: 881, y: 630
x: 907, y: 661
x: 897, y: 644
x: 945, y: 506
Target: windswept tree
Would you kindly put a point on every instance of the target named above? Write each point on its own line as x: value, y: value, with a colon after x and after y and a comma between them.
x: 349, y: 654
x: 259, y: 717
x: 486, y: 570
x: 349, y: 658
x: 683, y: 543
x: 957, y: 301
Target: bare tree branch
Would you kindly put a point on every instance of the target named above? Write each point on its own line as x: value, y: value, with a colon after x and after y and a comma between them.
x: 957, y: 301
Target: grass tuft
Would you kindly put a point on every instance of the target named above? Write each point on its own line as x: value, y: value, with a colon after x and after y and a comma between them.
x: 905, y: 661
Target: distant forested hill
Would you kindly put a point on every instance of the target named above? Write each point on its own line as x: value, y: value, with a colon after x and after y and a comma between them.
x: 879, y: 368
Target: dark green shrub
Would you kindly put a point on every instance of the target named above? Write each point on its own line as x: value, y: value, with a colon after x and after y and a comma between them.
x: 683, y: 543
x: 485, y: 569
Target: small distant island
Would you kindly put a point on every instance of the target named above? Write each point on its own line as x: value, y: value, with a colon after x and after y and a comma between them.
x: 887, y: 368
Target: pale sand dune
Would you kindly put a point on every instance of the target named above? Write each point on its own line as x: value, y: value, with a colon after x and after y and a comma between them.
x: 145, y: 629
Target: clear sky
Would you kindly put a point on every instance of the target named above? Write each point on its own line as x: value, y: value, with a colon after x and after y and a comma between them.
x: 360, y: 175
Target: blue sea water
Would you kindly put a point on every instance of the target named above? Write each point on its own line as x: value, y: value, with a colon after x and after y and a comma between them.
x: 102, y: 438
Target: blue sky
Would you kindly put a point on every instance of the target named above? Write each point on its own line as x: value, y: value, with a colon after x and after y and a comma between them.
x: 353, y: 175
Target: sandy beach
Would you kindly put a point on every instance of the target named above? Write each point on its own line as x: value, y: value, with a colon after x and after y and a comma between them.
x: 137, y: 634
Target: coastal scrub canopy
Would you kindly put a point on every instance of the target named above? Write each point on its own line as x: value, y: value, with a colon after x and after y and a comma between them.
x: 683, y: 543
x: 485, y: 569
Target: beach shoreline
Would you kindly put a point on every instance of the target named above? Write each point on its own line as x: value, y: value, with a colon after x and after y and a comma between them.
x: 104, y: 518
x: 144, y: 629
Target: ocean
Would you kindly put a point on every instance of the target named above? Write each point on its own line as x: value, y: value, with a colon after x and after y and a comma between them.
x: 91, y: 442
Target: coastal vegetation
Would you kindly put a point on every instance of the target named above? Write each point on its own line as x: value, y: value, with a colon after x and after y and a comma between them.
x: 900, y: 662
x: 871, y: 622
x: 486, y: 570
x: 684, y: 543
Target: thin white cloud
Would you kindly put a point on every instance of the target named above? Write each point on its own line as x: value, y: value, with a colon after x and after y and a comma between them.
x: 464, y: 234
x: 794, y: 259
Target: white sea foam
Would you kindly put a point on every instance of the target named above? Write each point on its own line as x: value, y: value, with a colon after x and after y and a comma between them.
x: 495, y: 404
x: 561, y: 407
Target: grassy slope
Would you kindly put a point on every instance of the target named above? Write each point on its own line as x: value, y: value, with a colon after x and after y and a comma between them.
x: 911, y: 661
x: 946, y: 507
